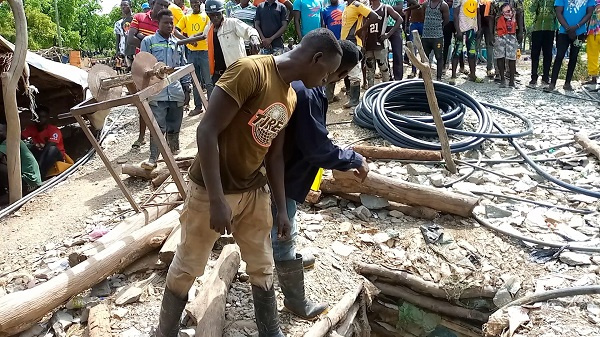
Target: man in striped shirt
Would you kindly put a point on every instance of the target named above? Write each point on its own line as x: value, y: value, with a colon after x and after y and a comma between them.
x: 244, y: 11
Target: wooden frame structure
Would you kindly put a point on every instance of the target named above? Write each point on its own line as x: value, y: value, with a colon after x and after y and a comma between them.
x: 140, y: 100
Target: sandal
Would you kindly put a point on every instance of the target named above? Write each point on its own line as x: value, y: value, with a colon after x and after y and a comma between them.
x: 137, y: 144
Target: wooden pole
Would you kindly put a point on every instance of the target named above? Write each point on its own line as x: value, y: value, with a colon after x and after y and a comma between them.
x: 424, y: 66
x: 20, y: 310
x: 336, y: 314
x: 587, y: 144
x: 10, y: 82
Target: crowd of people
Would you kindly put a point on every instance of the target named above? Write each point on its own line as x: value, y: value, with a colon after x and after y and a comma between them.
x: 263, y: 136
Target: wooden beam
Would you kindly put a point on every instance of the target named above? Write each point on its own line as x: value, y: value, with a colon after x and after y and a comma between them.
x: 84, y: 109
x: 20, y: 310
x: 397, y: 153
x: 199, y: 86
x: 148, y: 117
x: 588, y: 145
x: 10, y: 83
x: 425, y: 68
x: 107, y: 163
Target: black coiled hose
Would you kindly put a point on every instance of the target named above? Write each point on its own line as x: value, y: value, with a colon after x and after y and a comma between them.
x: 383, y: 109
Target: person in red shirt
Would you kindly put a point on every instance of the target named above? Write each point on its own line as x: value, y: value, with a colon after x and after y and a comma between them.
x: 48, y: 146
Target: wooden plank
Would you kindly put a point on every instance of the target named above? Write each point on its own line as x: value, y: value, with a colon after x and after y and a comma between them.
x: 107, y: 163
x: 146, y: 113
x: 199, y: 86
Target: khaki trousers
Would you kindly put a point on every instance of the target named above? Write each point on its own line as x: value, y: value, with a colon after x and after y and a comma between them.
x: 252, y: 222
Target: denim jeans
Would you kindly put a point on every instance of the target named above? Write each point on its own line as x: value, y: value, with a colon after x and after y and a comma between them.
x: 284, y: 250
x: 199, y: 58
x: 168, y: 116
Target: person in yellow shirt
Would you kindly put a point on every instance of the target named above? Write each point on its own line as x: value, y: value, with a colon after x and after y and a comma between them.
x: 177, y: 7
x: 190, y: 25
x: 353, y: 30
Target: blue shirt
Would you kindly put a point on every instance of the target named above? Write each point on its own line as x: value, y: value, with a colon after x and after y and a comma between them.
x: 310, y: 14
x: 573, y: 12
x: 307, y: 146
x: 168, y: 52
x: 332, y: 17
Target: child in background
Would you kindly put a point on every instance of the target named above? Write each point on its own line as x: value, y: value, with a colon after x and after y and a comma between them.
x: 593, y: 45
x: 506, y: 44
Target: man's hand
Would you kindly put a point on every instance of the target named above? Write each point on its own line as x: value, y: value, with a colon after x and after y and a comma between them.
x: 267, y: 42
x: 384, y: 37
x: 572, y: 32
x: 459, y: 36
x: 284, y: 228
x: 362, y: 171
x: 254, y: 44
x: 220, y: 217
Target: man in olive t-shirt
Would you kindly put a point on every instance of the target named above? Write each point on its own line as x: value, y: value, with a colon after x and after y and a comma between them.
x: 240, y: 148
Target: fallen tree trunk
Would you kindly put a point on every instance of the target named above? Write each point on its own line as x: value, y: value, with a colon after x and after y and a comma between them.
x: 431, y: 304
x: 420, y: 212
x: 167, y: 251
x: 336, y: 314
x: 20, y: 310
x: 418, y: 284
x: 207, y: 311
x: 587, y: 144
x: 99, y: 321
x: 401, y: 191
x: 129, y: 225
x: 398, y: 153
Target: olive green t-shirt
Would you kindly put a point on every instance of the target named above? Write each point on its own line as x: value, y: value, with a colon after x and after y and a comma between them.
x: 266, y: 104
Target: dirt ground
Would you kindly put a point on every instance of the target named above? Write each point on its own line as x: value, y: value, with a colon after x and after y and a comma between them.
x: 35, y: 236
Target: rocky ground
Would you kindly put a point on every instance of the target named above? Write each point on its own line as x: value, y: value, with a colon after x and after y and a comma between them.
x: 38, y: 238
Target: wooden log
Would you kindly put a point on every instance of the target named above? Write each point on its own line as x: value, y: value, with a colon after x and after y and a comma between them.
x: 336, y: 314
x: 19, y: 310
x: 587, y: 144
x: 129, y: 225
x: 420, y: 212
x: 346, y: 326
x: 418, y: 284
x: 207, y: 310
x: 431, y: 304
x: 402, y: 192
x: 148, y: 262
x: 389, y: 313
x: 425, y: 68
x: 139, y: 172
x: 156, y: 182
x: 99, y: 321
x: 167, y: 251
x: 397, y: 153
x: 10, y: 83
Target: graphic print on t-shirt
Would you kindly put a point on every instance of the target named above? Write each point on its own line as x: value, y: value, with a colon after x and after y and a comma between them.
x: 575, y: 6
x: 267, y: 123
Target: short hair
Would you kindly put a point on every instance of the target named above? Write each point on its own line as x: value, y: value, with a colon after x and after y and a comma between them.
x: 42, y: 109
x: 322, y: 40
x: 163, y: 12
x: 351, y: 55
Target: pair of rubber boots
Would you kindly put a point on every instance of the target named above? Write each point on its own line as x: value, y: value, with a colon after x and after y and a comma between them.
x: 291, y: 281
x: 173, y: 142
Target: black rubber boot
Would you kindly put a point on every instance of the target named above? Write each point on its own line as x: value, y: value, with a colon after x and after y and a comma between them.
x: 173, y: 142
x: 353, y: 95
x: 265, y: 312
x: 291, y: 280
x: 170, y: 315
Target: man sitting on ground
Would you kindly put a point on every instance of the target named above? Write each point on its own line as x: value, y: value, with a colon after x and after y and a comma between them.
x: 30, y: 171
x: 48, y: 147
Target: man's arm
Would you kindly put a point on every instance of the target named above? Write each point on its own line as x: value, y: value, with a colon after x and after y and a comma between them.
x: 133, y: 37
x: 288, y: 5
x: 297, y: 24
x: 248, y: 34
x: 145, y: 45
x: 391, y: 12
x: 118, y: 43
x: 457, y: 21
x: 274, y: 164
x: 445, y: 13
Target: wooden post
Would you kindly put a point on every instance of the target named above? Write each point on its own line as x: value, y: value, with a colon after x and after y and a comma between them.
x: 10, y: 82
x: 425, y: 67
